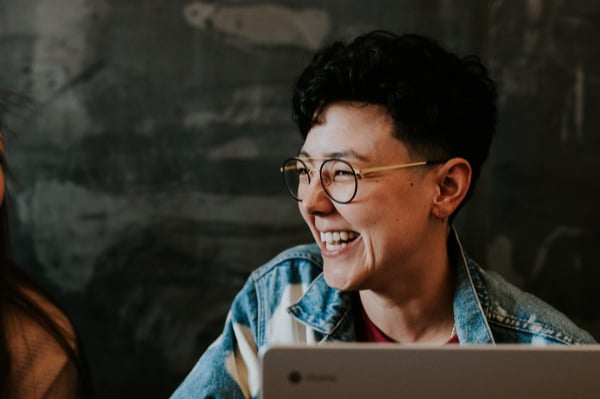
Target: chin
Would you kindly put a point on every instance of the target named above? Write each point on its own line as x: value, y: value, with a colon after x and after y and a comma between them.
x: 338, y: 281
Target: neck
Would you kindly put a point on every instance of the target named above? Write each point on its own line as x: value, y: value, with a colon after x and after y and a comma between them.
x: 418, y: 306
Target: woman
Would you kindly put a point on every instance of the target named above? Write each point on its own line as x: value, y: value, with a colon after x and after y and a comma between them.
x: 40, y: 356
x: 396, y: 130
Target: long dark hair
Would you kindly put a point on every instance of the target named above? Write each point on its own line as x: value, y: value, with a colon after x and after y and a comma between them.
x: 14, y: 285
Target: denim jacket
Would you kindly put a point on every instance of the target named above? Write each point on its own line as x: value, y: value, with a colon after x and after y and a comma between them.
x: 288, y: 301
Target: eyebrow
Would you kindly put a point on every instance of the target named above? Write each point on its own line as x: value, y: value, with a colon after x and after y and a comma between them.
x: 336, y: 154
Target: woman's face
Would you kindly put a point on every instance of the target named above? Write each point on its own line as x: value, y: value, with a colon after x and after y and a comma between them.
x: 389, y: 215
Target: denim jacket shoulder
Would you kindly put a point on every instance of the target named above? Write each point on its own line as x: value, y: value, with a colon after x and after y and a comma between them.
x: 488, y: 309
x: 516, y: 316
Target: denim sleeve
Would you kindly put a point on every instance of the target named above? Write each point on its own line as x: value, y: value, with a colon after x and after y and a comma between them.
x: 229, y: 368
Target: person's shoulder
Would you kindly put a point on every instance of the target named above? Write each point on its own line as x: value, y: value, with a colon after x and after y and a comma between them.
x: 45, y: 305
x: 39, y: 362
x: 34, y: 317
x: 511, y: 307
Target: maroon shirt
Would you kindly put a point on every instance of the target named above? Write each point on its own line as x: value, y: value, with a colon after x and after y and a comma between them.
x: 366, y: 331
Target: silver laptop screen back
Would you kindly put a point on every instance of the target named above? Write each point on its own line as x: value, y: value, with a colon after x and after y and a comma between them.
x: 353, y: 371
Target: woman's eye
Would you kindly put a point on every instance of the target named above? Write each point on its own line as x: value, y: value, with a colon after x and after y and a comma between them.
x: 343, y: 174
x: 302, y: 171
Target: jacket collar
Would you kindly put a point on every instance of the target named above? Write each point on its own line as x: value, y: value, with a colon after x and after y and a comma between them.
x: 469, y: 315
x: 326, y: 310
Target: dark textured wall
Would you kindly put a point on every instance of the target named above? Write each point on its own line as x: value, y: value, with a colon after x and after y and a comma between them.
x: 148, y: 182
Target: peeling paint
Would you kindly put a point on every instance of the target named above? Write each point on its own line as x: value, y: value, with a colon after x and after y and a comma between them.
x: 266, y: 25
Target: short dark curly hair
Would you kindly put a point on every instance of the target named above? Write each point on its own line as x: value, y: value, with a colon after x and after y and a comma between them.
x: 443, y: 105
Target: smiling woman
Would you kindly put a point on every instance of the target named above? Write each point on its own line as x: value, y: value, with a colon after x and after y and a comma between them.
x: 396, y: 130
x: 40, y: 355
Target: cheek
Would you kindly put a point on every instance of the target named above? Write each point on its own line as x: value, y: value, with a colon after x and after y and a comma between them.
x: 396, y: 207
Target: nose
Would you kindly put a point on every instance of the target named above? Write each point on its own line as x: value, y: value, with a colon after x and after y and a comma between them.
x: 316, y: 201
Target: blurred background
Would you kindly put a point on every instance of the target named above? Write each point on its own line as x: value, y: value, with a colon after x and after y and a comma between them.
x: 147, y: 184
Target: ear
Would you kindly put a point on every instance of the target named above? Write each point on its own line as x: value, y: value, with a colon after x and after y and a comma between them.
x: 453, y: 181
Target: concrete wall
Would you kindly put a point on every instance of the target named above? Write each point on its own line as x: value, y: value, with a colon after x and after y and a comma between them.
x: 147, y: 173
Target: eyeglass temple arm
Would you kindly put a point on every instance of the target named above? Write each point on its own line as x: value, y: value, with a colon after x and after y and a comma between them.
x: 363, y: 172
x: 287, y: 168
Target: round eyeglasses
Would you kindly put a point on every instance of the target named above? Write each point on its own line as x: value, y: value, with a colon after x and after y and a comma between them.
x: 338, y: 178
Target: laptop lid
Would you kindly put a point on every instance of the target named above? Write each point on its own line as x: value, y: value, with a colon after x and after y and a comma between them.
x: 358, y: 371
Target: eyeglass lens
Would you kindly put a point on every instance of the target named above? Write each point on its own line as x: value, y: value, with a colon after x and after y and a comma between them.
x: 338, y: 179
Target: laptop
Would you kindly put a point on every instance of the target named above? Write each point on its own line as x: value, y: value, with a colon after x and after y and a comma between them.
x: 374, y: 371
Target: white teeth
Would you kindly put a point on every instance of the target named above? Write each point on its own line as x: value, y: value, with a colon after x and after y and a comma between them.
x: 332, y: 247
x: 337, y: 239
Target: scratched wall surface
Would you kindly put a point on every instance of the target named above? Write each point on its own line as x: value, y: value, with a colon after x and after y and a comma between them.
x: 543, y: 213
x: 147, y: 169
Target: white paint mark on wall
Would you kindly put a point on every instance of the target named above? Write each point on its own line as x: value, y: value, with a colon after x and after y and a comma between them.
x: 58, y: 57
x: 72, y: 226
x: 65, y: 236
x: 248, y: 104
x: 266, y: 24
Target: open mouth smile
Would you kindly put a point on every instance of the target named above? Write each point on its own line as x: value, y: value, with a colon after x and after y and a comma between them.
x: 337, y: 239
